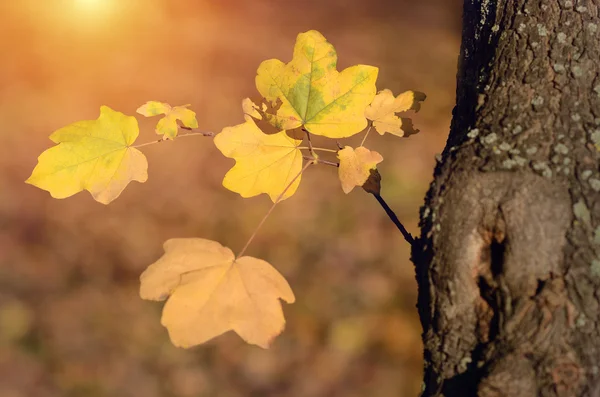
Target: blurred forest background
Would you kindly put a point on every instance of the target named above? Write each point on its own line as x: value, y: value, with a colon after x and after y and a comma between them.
x: 71, y: 320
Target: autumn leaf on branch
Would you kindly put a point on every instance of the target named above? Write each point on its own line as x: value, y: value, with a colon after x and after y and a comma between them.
x: 264, y: 163
x: 167, y: 126
x: 210, y: 292
x: 383, y: 111
x: 94, y: 155
x: 356, y: 165
x: 313, y: 93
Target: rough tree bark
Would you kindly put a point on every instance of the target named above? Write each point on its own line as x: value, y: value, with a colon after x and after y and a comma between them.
x: 508, y: 263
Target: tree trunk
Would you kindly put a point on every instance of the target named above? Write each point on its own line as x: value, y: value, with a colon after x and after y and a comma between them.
x: 508, y: 262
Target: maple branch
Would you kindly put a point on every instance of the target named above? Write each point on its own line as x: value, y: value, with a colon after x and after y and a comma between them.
x: 277, y: 200
x: 407, y: 236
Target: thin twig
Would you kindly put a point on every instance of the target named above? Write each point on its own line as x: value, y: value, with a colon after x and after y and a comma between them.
x: 196, y: 131
x: 203, y: 133
x: 407, y: 236
x: 277, y: 200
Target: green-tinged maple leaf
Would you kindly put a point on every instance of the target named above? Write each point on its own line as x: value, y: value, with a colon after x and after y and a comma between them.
x: 94, y: 155
x: 356, y: 165
x: 383, y: 111
x: 167, y: 126
x: 264, y: 163
x: 211, y: 292
x: 313, y: 93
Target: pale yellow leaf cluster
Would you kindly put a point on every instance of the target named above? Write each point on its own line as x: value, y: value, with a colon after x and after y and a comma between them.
x: 211, y: 292
x: 264, y: 163
x: 167, y: 126
x: 356, y: 165
x: 383, y: 111
x: 313, y: 93
x: 94, y: 155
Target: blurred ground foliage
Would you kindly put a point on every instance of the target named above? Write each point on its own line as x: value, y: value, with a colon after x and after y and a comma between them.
x: 71, y: 320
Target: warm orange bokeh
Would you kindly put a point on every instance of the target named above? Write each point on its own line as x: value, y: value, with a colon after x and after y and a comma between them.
x: 71, y: 320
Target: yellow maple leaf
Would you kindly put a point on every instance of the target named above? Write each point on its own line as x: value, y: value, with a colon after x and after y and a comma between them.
x: 313, y: 93
x: 264, y: 163
x: 383, y: 111
x: 211, y: 292
x: 95, y: 155
x: 251, y: 109
x: 264, y: 116
x: 356, y: 165
x: 167, y: 126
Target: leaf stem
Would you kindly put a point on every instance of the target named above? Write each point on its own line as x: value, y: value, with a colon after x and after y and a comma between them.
x: 310, y: 147
x: 147, y: 143
x: 407, y: 236
x: 277, y: 200
x: 317, y: 149
x: 203, y: 133
x: 366, y: 135
x: 321, y: 161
